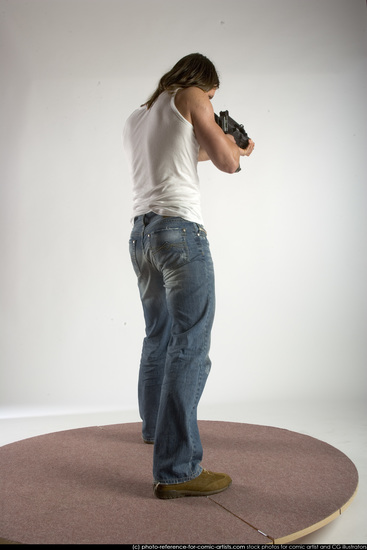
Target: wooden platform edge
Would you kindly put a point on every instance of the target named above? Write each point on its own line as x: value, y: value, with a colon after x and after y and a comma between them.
x: 316, y: 526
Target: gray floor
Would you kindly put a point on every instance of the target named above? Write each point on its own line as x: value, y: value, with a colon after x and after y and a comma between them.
x: 341, y: 424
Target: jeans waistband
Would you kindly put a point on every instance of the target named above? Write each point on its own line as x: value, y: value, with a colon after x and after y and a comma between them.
x: 146, y: 218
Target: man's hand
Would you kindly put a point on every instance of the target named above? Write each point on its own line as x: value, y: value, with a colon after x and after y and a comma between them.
x: 247, y: 152
x: 243, y: 152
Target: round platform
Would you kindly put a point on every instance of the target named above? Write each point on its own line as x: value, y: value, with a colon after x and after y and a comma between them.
x: 94, y: 485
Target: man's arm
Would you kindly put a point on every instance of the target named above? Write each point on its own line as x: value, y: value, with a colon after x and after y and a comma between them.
x: 203, y: 155
x: 194, y: 104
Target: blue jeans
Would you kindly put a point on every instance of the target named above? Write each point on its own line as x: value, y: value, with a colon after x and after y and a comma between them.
x: 173, y: 264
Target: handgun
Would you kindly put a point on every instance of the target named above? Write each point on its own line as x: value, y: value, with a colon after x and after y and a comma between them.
x: 230, y: 126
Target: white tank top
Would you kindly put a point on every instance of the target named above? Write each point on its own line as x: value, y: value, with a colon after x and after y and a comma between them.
x: 162, y: 151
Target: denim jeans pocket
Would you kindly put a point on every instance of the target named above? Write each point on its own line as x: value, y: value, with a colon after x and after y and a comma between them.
x: 168, y: 248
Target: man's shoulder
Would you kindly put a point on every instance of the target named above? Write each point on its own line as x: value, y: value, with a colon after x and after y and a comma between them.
x: 191, y: 100
x: 193, y: 93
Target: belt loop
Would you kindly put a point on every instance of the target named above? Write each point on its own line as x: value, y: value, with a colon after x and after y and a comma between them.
x: 147, y: 218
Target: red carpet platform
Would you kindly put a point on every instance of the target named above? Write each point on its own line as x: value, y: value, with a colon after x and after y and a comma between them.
x: 94, y: 486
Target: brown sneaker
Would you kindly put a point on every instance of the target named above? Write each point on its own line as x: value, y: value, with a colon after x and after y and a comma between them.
x: 207, y: 483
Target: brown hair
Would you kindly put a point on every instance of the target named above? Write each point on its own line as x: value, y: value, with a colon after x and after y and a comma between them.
x: 192, y: 70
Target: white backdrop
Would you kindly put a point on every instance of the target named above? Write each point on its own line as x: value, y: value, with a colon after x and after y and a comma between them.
x: 288, y: 233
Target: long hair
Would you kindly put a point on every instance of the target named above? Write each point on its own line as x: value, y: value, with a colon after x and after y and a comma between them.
x: 192, y: 70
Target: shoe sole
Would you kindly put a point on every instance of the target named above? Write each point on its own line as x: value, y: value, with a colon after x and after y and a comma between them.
x: 180, y: 494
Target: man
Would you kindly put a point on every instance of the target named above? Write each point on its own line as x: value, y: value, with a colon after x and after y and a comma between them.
x: 164, y: 140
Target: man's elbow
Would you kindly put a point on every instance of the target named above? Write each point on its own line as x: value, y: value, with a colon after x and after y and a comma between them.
x: 231, y: 166
x: 228, y: 162
x: 234, y: 167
